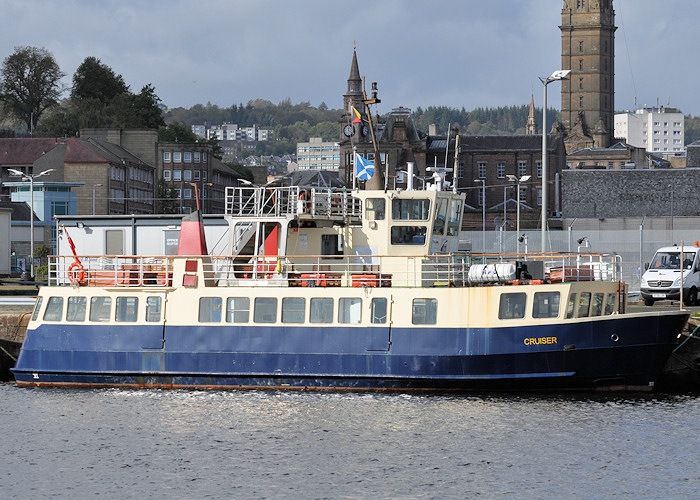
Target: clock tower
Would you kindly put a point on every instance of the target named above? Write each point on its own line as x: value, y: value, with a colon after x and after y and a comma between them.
x: 588, y: 50
x: 351, y: 127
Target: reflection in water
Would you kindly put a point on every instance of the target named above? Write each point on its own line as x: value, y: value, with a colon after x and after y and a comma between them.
x: 121, y: 443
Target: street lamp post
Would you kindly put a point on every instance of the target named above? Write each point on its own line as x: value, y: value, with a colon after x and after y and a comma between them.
x: 517, y: 181
x: 561, y: 74
x: 94, y: 187
x: 483, y: 213
x: 30, y: 178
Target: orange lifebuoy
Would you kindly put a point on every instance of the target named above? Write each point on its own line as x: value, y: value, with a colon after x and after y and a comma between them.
x: 76, y: 273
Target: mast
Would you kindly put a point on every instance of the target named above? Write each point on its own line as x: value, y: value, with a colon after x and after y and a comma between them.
x: 377, y: 180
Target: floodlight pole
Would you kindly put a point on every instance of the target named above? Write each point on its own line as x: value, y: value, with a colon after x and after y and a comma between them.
x: 557, y: 75
x: 30, y: 178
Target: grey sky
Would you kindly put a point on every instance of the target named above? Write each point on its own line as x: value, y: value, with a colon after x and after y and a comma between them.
x: 459, y: 53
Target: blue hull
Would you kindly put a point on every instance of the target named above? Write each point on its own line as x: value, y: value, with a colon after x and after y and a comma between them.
x: 612, y: 352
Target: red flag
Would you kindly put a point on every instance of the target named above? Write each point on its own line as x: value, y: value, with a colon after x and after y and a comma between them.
x: 70, y: 242
x: 357, y: 118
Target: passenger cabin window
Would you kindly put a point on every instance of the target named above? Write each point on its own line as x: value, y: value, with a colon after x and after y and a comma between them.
x: 375, y: 208
x: 77, y: 307
x: 597, y: 304
x: 237, y: 310
x: 453, y: 217
x: 610, y: 303
x: 265, y: 310
x: 350, y: 310
x: 321, y: 310
x: 545, y: 305
x: 293, y: 309
x: 127, y: 309
x: 37, y: 307
x: 210, y: 309
x: 153, y: 308
x: 584, y: 304
x: 54, y: 309
x: 331, y: 244
x: 512, y: 306
x: 408, y: 235
x: 100, y: 308
x: 410, y: 209
x: 379, y: 309
x: 424, y: 311
x: 440, y: 216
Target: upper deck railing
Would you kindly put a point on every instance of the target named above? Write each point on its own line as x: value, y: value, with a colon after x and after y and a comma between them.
x: 457, y: 270
x: 293, y: 201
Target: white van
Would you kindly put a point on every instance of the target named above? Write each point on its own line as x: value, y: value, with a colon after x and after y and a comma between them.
x: 662, y: 278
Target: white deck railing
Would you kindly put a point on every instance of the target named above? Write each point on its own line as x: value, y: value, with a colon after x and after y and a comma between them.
x: 325, y: 270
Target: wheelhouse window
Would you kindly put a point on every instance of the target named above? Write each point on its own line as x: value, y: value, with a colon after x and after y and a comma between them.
x: 424, y: 311
x: 610, y: 303
x: 571, y: 306
x: 54, y: 309
x: 293, y: 309
x: 349, y: 310
x: 375, y: 208
x: 37, y: 308
x: 237, y: 310
x: 415, y: 209
x: 153, y: 308
x: 321, y: 310
x: 77, y: 307
x: 100, y: 308
x: 379, y: 310
x: 210, y: 309
x: 440, y: 216
x: 265, y: 310
x: 584, y: 304
x: 512, y: 306
x: 408, y: 235
x: 453, y: 218
x: 597, y: 304
x: 545, y: 305
x: 127, y: 309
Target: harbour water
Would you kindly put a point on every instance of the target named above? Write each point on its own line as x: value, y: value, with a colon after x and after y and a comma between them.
x: 196, y: 444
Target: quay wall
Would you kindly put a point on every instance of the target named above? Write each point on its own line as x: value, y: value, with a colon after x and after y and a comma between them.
x: 14, y: 326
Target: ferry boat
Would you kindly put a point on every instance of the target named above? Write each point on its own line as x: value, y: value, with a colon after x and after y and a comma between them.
x: 341, y: 289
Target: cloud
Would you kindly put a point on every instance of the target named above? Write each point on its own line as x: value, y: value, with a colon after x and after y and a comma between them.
x: 454, y: 52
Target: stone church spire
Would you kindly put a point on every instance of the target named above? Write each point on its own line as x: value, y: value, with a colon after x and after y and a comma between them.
x: 353, y: 96
x: 531, y: 127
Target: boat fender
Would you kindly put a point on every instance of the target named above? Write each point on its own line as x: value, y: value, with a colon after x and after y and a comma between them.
x: 76, y: 272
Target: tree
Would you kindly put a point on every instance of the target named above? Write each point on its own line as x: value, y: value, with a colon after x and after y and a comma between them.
x: 176, y: 132
x: 30, y: 83
x: 94, y: 80
x: 166, y: 199
x: 145, y: 109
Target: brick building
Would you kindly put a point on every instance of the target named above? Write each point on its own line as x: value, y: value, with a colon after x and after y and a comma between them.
x: 493, y: 158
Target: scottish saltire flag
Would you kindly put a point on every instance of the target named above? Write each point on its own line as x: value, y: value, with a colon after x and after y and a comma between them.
x: 358, y: 116
x: 364, y: 169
